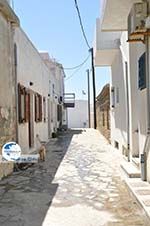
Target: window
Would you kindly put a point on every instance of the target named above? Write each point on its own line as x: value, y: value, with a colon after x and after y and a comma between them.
x: 142, y: 72
x: 22, y: 104
x: 44, y: 108
x: 38, y: 108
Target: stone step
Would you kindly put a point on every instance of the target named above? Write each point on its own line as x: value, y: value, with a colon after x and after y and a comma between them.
x: 136, y: 162
x: 141, y: 191
x: 131, y: 170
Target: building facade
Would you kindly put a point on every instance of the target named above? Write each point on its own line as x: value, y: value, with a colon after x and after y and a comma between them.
x: 78, y: 116
x: 103, y: 111
x: 128, y: 57
x: 8, y: 22
x: 32, y: 89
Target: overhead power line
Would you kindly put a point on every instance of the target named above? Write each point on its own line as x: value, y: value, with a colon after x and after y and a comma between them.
x: 75, y: 67
x: 92, y: 62
x: 81, y: 24
x: 78, y: 69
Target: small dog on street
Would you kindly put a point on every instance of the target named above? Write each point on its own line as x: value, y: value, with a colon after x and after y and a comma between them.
x: 41, y: 149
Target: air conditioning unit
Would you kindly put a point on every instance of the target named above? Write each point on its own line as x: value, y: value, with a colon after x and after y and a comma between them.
x: 137, y: 18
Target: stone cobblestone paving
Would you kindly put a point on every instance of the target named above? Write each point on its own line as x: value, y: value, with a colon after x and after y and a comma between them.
x: 80, y: 184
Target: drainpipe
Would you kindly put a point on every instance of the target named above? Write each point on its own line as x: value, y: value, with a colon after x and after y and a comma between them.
x: 127, y: 104
x: 146, y: 146
x: 16, y: 87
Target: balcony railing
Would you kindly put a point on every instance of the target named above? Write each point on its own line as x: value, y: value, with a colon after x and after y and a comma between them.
x: 69, y: 100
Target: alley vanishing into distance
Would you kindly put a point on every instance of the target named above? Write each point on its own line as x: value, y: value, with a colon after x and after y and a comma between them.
x: 79, y: 184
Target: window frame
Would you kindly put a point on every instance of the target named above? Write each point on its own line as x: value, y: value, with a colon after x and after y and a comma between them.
x: 44, y: 109
x: 38, y: 107
x: 22, y: 104
x: 142, y: 72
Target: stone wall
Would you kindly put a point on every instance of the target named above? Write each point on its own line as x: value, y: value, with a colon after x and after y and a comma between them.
x: 7, y: 83
x: 103, y: 112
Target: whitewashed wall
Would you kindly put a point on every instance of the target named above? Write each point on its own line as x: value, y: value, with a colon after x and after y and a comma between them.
x: 118, y: 113
x: 138, y: 101
x: 31, y: 68
x: 119, y: 80
x: 78, y: 116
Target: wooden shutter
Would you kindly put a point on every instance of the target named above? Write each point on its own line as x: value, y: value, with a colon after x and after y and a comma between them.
x: 40, y: 108
x: 19, y: 103
x: 35, y: 104
x: 44, y: 108
x: 27, y: 108
x: 142, y: 72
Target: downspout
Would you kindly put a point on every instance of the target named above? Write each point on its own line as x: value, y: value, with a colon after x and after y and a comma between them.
x: 16, y: 87
x: 127, y: 103
x: 147, y: 142
x: 14, y: 71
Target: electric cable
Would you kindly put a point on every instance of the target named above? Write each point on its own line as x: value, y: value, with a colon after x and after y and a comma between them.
x: 75, y: 67
x: 78, y: 69
x: 81, y: 24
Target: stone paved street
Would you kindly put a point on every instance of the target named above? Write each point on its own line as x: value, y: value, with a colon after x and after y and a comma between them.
x: 80, y: 184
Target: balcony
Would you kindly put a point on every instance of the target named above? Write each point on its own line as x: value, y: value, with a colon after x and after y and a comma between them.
x: 106, y: 45
x: 69, y: 100
x: 115, y: 13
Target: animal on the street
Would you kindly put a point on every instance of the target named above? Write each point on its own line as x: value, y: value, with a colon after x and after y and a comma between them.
x: 41, y: 149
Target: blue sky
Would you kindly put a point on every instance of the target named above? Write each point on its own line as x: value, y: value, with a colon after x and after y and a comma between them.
x: 53, y: 26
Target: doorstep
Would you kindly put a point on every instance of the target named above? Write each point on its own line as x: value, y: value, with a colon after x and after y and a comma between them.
x: 130, y: 169
x: 141, y: 191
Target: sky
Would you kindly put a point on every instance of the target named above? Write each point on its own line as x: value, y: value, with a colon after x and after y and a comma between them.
x: 53, y: 26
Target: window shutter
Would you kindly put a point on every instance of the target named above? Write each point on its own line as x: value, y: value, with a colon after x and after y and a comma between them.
x: 44, y: 108
x: 35, y: 99
x: 27, y: 115
x: 40, y: 108
x: 142, y: 72
x: 19, y: 103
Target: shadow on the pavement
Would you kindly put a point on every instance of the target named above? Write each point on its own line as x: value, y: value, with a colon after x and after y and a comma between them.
x: 25, y: 196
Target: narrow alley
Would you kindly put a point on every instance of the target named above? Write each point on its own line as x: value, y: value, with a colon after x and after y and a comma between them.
x: 79, y: 184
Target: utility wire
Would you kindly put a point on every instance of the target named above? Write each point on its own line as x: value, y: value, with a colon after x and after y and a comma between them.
x: 75, y: 67
x: 81, y: 24
x: 78, y: 69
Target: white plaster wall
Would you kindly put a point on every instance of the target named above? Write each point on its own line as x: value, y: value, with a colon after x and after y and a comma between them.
x: 138, y: 101
x: 57, y: 79
x: 118, y: 113
x: 31, y: 68
x: 137, y: 98
x: 118, y: 81
x: 148, y: 156
x: 79, y: 115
